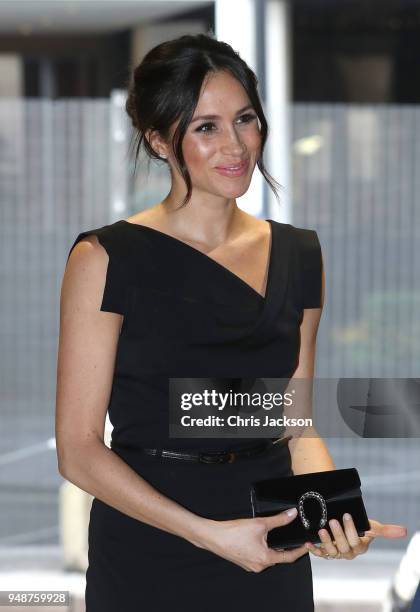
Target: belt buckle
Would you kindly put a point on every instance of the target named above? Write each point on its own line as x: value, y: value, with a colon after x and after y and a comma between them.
x: 231, y: 457
x: 206, y: 458
x: 227, y: 457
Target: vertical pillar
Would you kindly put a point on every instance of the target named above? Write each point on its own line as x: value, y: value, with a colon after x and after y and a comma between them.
x: 278, y: 106
x: 118, y: 175
x: 235, y: 23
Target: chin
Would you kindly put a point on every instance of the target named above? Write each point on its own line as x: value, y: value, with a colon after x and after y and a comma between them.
x: 235, y: 191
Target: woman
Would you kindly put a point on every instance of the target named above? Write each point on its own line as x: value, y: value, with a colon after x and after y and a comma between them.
x: 198, y: 290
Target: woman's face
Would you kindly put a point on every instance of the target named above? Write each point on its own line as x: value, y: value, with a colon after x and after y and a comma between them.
x: 223, y: 133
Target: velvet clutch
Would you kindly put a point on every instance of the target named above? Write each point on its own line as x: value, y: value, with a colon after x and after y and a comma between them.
x: 318, y: 496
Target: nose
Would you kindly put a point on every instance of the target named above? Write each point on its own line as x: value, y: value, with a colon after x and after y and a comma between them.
x: 232, y: 143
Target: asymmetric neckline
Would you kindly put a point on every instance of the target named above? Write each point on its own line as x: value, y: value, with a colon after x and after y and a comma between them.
x: 218, y: 265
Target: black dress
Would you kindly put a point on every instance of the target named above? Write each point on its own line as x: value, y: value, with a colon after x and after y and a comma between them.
x: 186, y: 315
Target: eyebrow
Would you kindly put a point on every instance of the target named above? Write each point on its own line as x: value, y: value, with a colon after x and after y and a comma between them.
x: 241, y: 110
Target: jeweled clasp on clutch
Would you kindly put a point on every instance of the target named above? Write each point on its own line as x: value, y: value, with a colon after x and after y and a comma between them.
x: 322, y: 503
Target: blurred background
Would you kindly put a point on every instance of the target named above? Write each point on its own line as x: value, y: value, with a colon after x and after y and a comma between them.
x: 339, y: 84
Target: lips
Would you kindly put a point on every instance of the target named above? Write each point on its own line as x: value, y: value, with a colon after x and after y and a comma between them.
x: 236, y: 166
x: 237, y: 169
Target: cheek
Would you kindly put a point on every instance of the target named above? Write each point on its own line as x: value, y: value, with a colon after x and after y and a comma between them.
x: 252, y: 140
x: 198, y: 152
x: 201, y: 151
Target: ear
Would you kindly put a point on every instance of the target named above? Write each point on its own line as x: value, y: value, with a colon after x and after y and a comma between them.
x: 157, y: 143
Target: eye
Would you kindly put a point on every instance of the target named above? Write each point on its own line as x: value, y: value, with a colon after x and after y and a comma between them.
x: 204, y: 125
x: 246, y: 118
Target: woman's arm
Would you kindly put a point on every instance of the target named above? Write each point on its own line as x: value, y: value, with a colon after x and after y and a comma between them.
x: 86, y: 358
x: 309, y: 452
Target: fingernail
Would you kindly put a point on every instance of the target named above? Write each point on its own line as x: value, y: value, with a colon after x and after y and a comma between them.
x: 346, y: 516
x: 292, y: 512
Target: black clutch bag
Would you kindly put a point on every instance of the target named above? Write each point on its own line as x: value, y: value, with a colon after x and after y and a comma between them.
x: 318, y: 496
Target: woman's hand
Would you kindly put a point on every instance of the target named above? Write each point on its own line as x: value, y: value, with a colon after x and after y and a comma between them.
x: 348, y: 544
x: 244, y: 541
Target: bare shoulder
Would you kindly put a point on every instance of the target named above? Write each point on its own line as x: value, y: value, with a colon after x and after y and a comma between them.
x: 83, y: 299
x: 85, y: 271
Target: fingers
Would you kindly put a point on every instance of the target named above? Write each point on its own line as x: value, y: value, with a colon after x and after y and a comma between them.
x: 341, y: 538
x: 316, y: 550
x: 394, y: 531
x: 282, y: 555
x: 350, y: 530
x: 386, y: 530
x: 326, y: 543
x: 346, y: 543
x: 321, y: 551
x: 278, y: 520
x: 287, y: 556
x: 294, y: 553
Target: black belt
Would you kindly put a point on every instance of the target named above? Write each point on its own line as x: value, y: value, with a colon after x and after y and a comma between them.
x: 215, y: 457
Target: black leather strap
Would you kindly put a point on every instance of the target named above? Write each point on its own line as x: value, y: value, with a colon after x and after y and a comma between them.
x: 213, y: 457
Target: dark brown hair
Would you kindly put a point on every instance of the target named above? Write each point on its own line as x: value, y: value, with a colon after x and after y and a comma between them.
x: 166, y: 87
